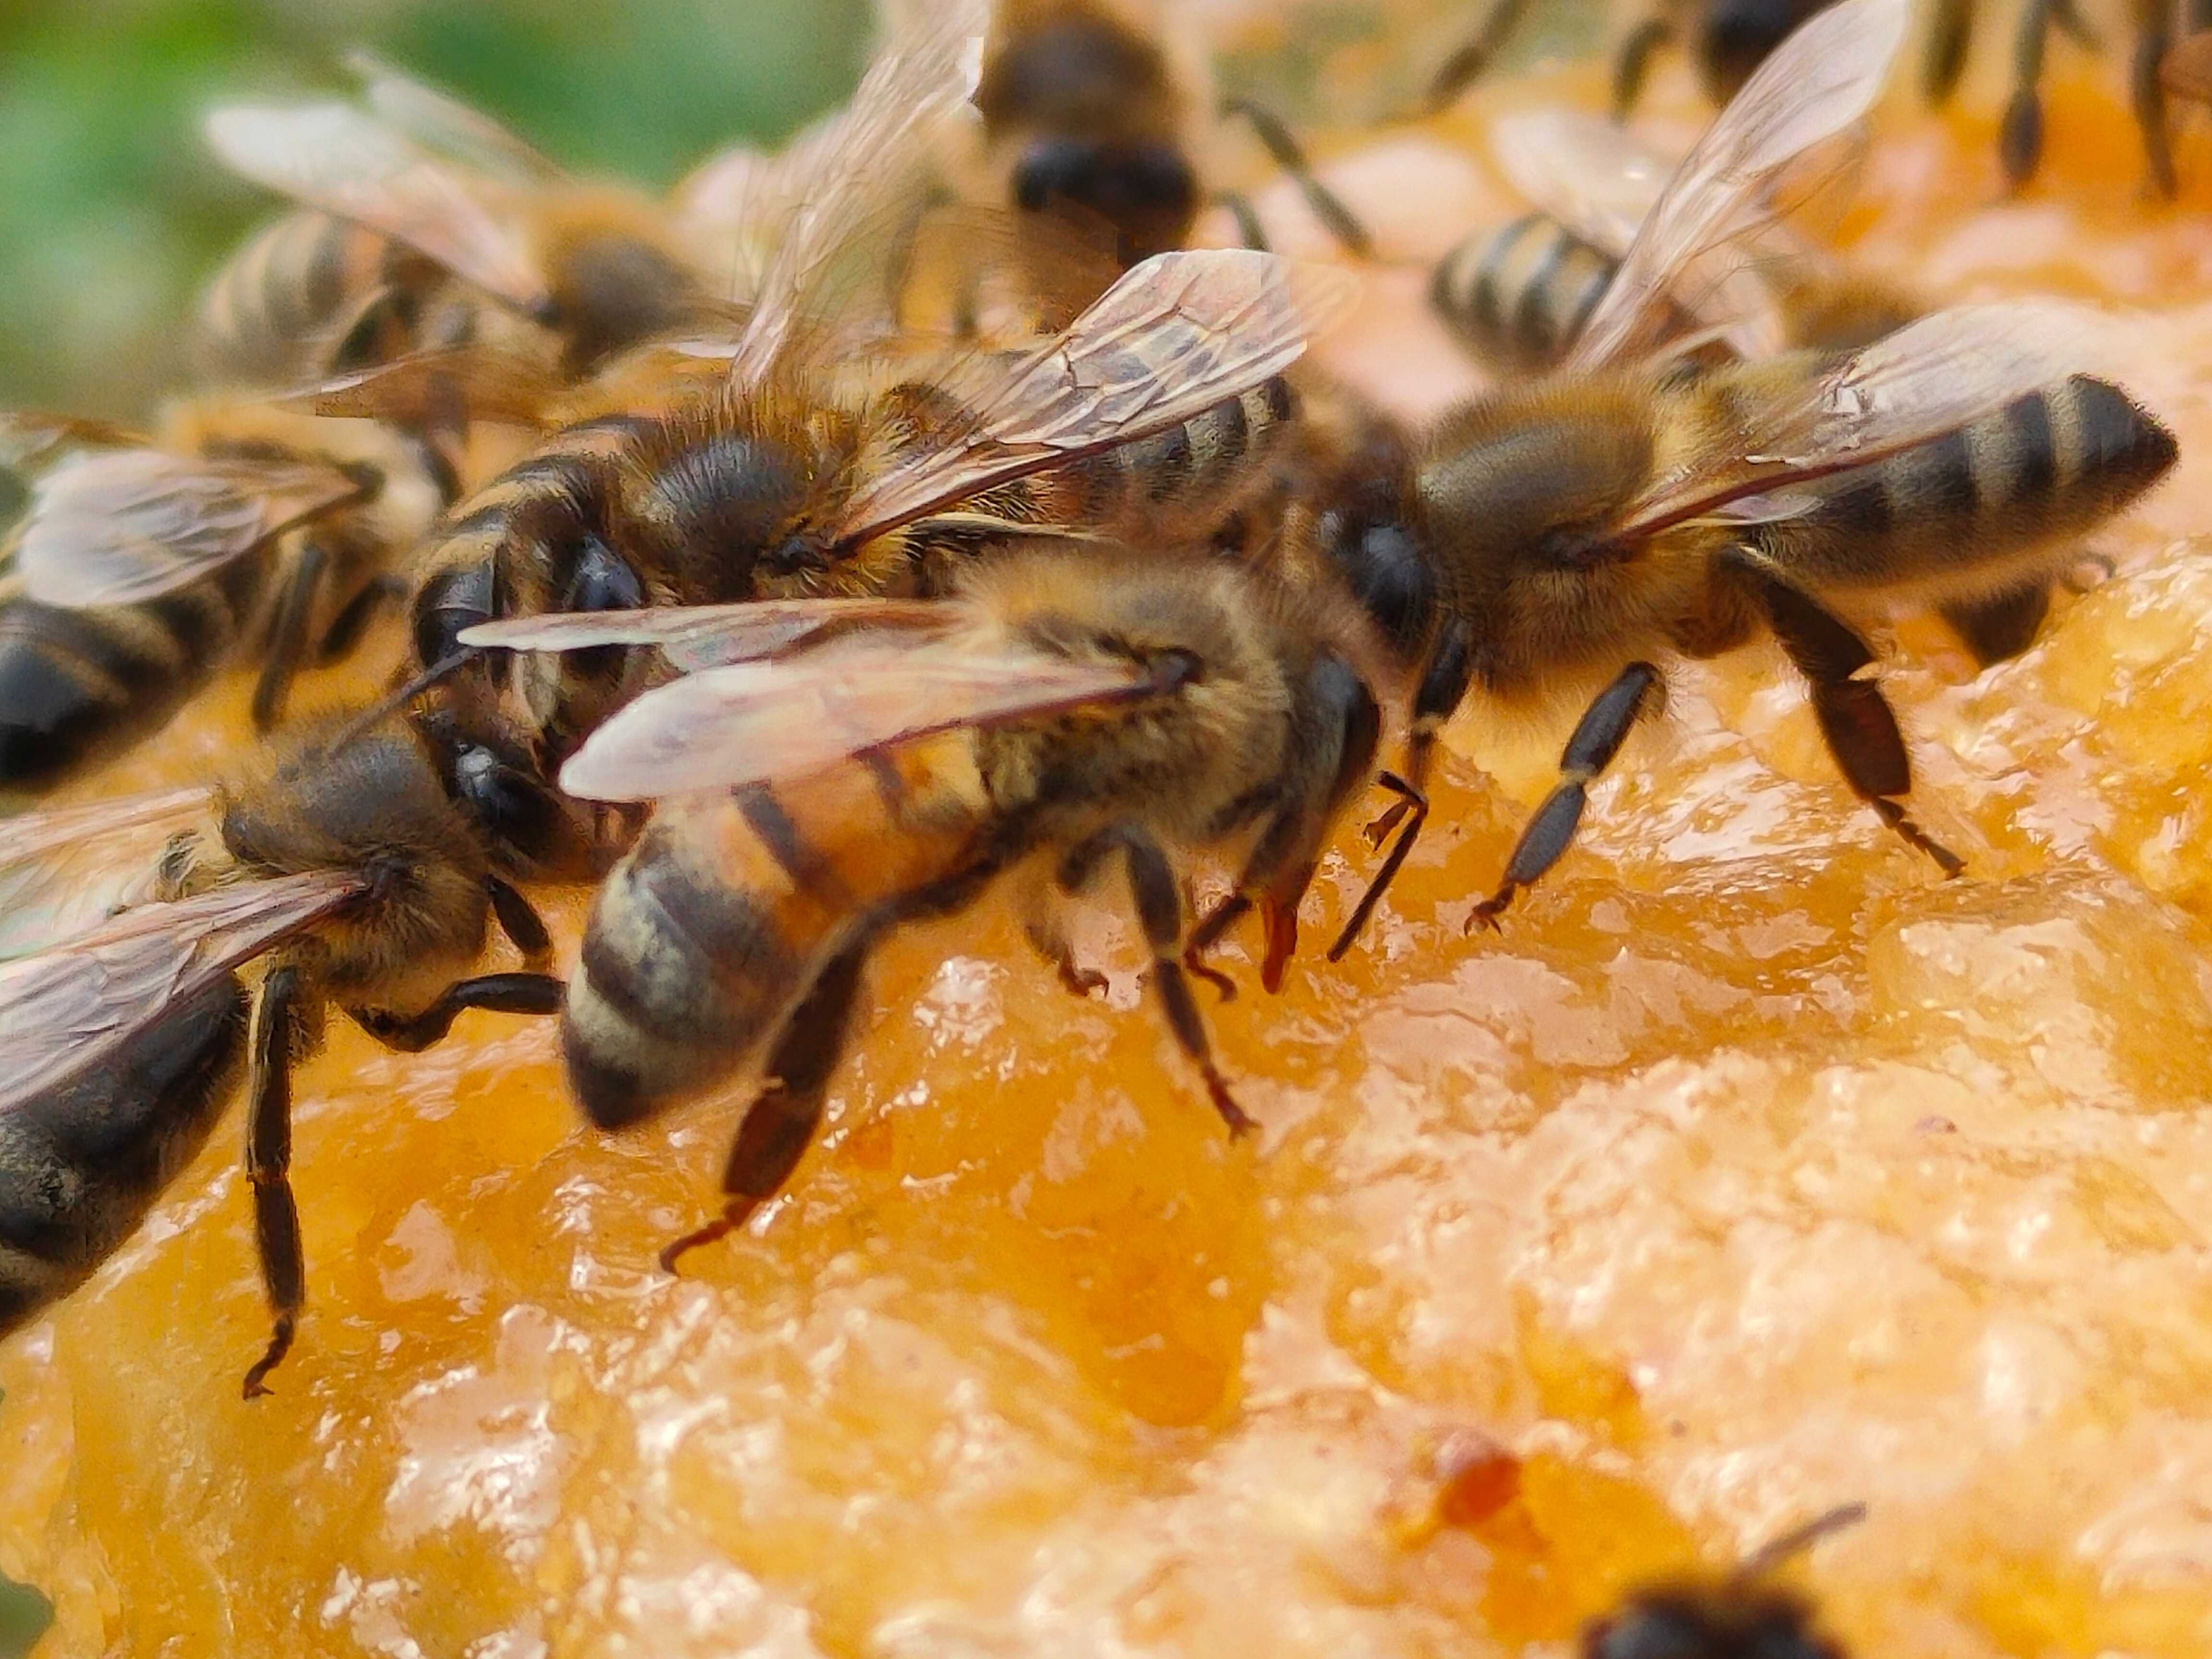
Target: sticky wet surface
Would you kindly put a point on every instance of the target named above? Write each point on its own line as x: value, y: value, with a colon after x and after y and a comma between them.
x: 1751, y: 1170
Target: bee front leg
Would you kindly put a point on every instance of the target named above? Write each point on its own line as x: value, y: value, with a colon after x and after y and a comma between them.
x: 499, y: 993
x: 780, y: 1125
x: 2020, y: 137
x: 519, y: 920
x: 1158, y: 905
x: 273, y: 1037
x: 287, y: 636
x: 355, y: 615
x: 1856, y: 720
x: 1597, y: 737
x: 1632, y: 63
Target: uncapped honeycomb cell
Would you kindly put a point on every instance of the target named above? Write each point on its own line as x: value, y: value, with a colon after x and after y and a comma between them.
x: 1750, y: 1170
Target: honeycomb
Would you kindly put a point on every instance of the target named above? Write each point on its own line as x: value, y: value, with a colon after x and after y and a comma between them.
x: 1752, y: 1169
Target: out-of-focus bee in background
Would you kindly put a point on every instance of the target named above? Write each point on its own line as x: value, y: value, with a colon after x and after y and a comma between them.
x: 1740, y: 1616
x: 837, y: 769
x: 144, y: 563
x: 1547, y: 539
x: 359, y: 864
x: 535, y: 262
x: 1728, y: 39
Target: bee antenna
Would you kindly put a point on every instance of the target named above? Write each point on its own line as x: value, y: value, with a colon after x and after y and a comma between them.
x: 1773, y: 1554
x: 398, y: 698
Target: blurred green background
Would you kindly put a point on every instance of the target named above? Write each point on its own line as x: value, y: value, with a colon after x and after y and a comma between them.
x: 112, y: 213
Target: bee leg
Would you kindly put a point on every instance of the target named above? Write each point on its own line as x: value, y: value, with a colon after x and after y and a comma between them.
x: 1469, y: 61
x: 1999, y: 627
x: 1445, y: 680
x: 355, y: 615
x: 2147, y: 92
x: 1042, y: 925
x: 1856, y: 720
x: 288, y: 637
x: 1632, y: 63
x: 2020, y: 137
x: 1159, y: 914
x: 1597, y: 737
x: 519, y: 920
x: 1413, y: 807
x: 499, y: 993
x: 1284, y: 150
x: 1251, y: 233
x: 273, y: 1038
x: 780, y: 1125
x: 1945, y: 56
x: 2077, y: 582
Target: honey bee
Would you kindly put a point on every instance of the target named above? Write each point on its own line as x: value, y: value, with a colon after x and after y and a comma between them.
x: 1547, y: 539
x: 1737, y: 1618
x: 1519, y: 296
x: 574, y: 272
x: 838, y: 768
x: 360, y: 864
x: 144, y: 563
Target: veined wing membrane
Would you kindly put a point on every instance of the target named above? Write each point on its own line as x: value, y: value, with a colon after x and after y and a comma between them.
x: 1176, y: 335
x: 693, y: 637
x: 333, y: 157
x: 64, y: 1009
x: 449, y: 126
x: 64, y: 870
x: 754, y: 721
x: 1815, y: 87
x: 114, y: 526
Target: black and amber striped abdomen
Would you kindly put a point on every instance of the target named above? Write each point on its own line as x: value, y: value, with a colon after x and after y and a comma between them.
x: 1180, y: 482
x: 75, y: 685
x: 1992, y: 503
x: 277, y: 309
x: 713, y: 925
x: 1520, y: 296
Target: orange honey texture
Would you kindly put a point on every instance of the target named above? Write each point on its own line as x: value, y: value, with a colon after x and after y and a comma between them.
x: 1751, y: 1170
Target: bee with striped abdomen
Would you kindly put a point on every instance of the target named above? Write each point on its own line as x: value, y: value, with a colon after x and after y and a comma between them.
x: 1547, y: 540
x: 539, y: 264
x: 359, y: 866
x: 145, y: 563
x: 837, y: 769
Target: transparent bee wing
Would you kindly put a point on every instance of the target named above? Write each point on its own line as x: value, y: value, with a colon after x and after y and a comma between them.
x: 29, y: 438
x: 1176, y: 335
x: 113, y: 526
x: 1815, y: 86
x: 700, y: 637
x: 64, y: 870
x: 854, y: 184
x: 442, y: 123
x: 1930, y: 377
x: 753, y: 721
x: 64, y: 1010
x: 335, y: 158
x: 437, y: 388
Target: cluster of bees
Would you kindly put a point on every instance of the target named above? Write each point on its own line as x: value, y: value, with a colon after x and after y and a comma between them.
x: 799, y: 556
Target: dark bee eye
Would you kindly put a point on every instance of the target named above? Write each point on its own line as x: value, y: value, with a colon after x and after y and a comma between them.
x: 792, y: 554
x: 1051, y: 168
x: 448, y: 604
x: 600, y: 580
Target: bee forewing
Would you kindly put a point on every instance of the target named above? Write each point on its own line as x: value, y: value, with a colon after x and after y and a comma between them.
x: 1178, y: 334
x: 1930, y: 377
x: 447, y: 125
x: 63, y: 870
x: 755, y: 721
x: 333, y: 157
x: 1595, y: 177
x: 64, y: 1009
x: 431, y: 388
x: 115, y: 526
x: 706, y: 636
x: 855, y: 183
x: 31, y: 437
x: 1820, y: 82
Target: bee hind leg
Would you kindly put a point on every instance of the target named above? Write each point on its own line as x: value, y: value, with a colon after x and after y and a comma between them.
x: 780, y: 1125
x: 1158, y: 906
x: 1597, y: 739
x: 1284, y: 150
x: 273, y: 1040
x: 1999, y: 627
x: 1856, y: 721
x: 499, y: 993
